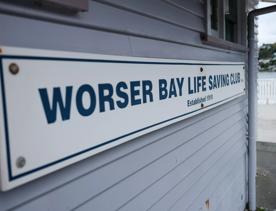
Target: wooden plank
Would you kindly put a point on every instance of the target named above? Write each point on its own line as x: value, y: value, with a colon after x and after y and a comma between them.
x: 224, y: 176
x: 140, y: 181
x: 60, y: 181
x: 102, y: 180
x: 109, y: 29
x: 160, y: 10
x: 155, y: 48
x: 185, y: 192
x: 159, y: 189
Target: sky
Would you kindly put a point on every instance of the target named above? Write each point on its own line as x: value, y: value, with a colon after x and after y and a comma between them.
x: 267, y: 26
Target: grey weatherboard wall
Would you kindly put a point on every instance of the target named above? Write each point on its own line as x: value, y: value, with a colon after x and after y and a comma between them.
x: 179, y: 167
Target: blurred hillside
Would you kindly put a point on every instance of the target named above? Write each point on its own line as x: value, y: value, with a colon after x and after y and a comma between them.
x: 267, y: 58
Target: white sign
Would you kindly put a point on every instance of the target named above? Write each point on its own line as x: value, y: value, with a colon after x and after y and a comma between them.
x: 58, y: 107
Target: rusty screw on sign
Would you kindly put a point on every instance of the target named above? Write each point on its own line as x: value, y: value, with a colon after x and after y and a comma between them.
x: 14, y: 69
x: 20, y: 162
x: 207, y: 204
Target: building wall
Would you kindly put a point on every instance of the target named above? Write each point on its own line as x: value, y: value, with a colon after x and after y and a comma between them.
x: 180, y: 167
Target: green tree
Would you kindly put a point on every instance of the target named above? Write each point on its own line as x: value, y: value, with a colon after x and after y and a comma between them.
x: 266, y: 54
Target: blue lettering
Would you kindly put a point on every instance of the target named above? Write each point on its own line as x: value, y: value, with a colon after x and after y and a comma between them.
x: 124, y: 102
x: 135, y: 92
x: 163, y: 92
x: 180, y: 83
x: 172, y: 89
x: 210, y: 82
x: 147, y: 91
x: 199, y: 84
x: 79, y: 100
x: 203, y: 83
x: 51, y: 111
x: 106, y: 97
x: 190, y: 90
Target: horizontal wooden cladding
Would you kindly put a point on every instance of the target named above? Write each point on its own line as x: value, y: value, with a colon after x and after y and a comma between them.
x: 193, y: 7
x: 156, y: 48
x: 186, y: 174
x: 214, y: 179
x: 60, y: 180
x: 182, y: 15
x: 119, y: 23
x: 156, y: 170
x: 232, y: 190
x: 118, y: 18
x: 47, y: 35
x: 168, y: 149
x: 63, y: 37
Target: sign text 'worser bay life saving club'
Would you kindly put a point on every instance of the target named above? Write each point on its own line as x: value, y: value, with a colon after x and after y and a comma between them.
x: 124, y: 94
x: 58, y: 108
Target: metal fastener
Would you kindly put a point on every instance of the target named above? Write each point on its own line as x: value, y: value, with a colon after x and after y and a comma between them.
x: 14, y: 69
x: 207, y: 204
x: 20, y: 162
x: 201, y: 69
x: 202, y: 105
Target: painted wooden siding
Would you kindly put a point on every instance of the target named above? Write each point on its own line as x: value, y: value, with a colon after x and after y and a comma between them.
x: 179, y: 167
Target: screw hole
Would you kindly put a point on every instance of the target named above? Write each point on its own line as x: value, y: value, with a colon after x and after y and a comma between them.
x: 207, y: 204
x: 14, y: 69
x: 20, y: 162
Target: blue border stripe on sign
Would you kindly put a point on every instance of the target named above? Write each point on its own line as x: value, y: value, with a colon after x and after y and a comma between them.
x: 5, y: 115
x: 11, y: 177
x: 112, y: 61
